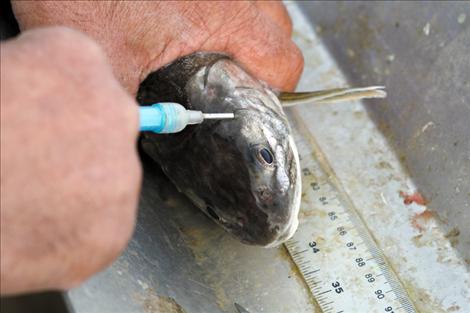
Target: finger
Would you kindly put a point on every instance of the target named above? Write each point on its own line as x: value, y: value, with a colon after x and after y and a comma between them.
x: 263, y: 50
x: 277, y: 12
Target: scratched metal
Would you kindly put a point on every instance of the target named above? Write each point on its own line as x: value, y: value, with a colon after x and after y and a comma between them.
x: 420, y: 247
x: 419, y: 50
x: 176, y: 252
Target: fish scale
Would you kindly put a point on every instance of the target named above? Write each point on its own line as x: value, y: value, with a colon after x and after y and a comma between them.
x: 338, y: 258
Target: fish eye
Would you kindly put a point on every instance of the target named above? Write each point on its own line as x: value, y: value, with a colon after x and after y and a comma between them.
x: 265, y: 156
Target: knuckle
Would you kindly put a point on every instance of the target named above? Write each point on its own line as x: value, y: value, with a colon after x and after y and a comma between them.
x: 288, y: 25
x: 130, y: 114
x: 297, y: 59
x: 70, y: 281
x: 291, y: 66
x: 103, y: 244
x: 119, y: 232
x: 296, y: 62
x: 106, y: 222
x: 123, y: 125
x: 286, y: 20
x: 116, y: 230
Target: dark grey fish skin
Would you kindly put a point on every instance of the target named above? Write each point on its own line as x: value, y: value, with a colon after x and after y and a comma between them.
x: 243, y: 173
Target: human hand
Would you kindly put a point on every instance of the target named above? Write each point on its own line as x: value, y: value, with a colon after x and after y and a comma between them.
x: 70, y: 173
x: 140, y: 37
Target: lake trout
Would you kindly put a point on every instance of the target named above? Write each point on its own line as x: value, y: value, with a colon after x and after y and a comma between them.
x: 243, y: 173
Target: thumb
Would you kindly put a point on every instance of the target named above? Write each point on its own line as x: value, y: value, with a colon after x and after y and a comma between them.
x: 264, y: 49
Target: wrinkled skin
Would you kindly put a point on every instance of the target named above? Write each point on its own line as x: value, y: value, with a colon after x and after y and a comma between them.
x: 243, y: 173
x: 69, y: 171
x: 139, y: 37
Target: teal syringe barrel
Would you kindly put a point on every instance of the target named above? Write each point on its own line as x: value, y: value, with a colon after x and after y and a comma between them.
x: 167, y: 117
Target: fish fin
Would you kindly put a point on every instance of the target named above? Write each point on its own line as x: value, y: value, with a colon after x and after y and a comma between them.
x: 331, y: 95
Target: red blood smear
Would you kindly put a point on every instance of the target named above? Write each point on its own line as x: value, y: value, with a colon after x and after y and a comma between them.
x: 420, y: 219
x: 415, y: 197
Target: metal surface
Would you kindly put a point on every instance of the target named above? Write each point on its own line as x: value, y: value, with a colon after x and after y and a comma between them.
x: 419, y: 247
x: 420, y: 51
x: 178, y: 253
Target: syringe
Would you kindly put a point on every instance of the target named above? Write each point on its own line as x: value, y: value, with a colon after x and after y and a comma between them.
x: 170, y: 117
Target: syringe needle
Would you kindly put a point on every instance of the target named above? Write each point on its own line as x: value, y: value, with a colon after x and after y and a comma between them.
x: 218, y: 116
x: 171, y: 117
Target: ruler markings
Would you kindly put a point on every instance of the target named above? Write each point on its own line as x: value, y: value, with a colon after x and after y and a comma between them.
x: 345, y: 256
x: 311, y: 283
x: 321, y: 293
x: 300, y: 252
x: 312, y: 280
x: 322, y: 302
x: 312, y: 272
x: 312, y: 276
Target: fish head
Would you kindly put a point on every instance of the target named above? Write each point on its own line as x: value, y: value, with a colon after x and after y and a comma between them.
x: 252, y: 183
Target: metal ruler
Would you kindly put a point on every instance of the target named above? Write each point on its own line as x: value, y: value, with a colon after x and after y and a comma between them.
x: 332, y: 248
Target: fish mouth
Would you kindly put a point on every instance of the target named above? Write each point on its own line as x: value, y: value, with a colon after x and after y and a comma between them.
x: 266, y: 242
x: 240, y: 230
x: 266, y: 238
x: 286, y: 235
